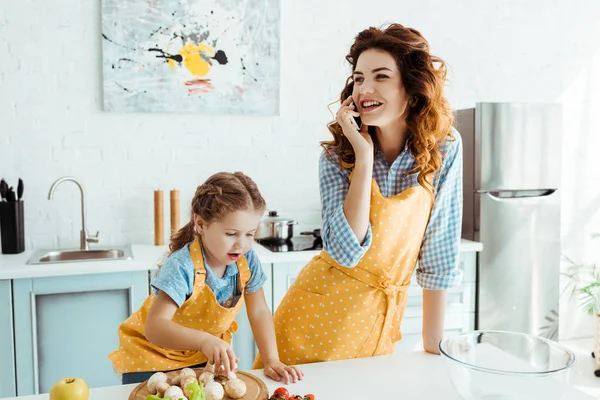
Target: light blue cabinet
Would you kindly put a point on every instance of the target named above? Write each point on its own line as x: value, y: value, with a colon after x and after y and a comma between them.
x: 66, y: 326
x: 243, y: 342
x: 7, y: 358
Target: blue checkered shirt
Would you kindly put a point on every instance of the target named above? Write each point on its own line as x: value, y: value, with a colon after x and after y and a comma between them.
x: 438, y: 257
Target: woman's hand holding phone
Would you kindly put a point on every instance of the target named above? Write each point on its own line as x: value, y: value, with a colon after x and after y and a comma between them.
x: 361, y: 141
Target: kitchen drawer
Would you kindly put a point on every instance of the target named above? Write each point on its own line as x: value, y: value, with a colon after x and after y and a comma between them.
x: 412, y: 329
x: 460, y: 299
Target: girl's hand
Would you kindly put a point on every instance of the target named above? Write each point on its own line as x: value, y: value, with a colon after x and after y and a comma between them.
x: 361, y: 141
x: 220, y: 353
x: 277, y: 371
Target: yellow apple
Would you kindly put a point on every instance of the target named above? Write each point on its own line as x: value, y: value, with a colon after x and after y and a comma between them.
x: 70, y: 389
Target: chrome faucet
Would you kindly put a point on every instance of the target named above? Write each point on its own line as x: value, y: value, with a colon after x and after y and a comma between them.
x: 84, y: 235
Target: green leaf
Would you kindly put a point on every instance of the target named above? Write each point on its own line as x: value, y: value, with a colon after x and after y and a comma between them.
x: 196, y: 391
x: 583, y: 284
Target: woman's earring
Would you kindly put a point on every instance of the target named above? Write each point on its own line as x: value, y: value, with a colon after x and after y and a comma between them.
x: 413, y: 101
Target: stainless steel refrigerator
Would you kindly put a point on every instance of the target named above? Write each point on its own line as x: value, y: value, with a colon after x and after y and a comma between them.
x: 512, y: 168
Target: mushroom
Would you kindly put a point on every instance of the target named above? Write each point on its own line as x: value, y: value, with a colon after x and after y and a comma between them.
x: 221, y: 379
x: 235, y: 388
x: 154, y: 380
x: 161, y: 388
x: 176, y: 379
x: 185, y: 381
x: 214, y: 391
x: 187, y: 372
x: 210, y: 368
x: 174, y: 393
x: 206, y: 377
x: 208, y: 374
x: 231, y: 375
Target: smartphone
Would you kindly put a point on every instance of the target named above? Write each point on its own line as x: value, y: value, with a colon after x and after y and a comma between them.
x: 356, y: 121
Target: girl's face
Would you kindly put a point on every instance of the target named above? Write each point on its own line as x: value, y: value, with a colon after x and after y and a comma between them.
x: 226, y: 240
x: 378, y: 92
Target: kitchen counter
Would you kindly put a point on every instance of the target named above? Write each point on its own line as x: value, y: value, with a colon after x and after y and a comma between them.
x: 407, y: 375
x: 145, y: 257
x: 14, y: 266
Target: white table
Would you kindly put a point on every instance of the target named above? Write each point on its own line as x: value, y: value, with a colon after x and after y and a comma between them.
x: 410, y: 375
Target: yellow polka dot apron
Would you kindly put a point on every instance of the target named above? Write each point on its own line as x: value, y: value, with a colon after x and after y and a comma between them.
x: 200, y: 311
x: 333, y: 312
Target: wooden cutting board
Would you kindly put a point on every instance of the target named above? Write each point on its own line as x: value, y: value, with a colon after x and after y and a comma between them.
x: 255, y: 388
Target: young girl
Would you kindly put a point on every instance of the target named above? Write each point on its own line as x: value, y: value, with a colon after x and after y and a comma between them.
x: 211, y: 270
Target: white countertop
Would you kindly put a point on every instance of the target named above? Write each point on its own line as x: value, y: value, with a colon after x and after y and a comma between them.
x: 15, y: 266
x: 404, y: 375
x: 145, y: 257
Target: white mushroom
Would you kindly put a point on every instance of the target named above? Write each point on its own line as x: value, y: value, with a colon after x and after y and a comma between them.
x: 176, y: 379
x: 214, y: 391
x: 235, y: 388
x: 206, y: 377
x: 161, y: 388
x: 185, y: 381
x: 231, y: 375
x: 174, y: 393
x: 222, y: 378
x: 187, y: 372
x: 154, y: 380
x: 210, y: 368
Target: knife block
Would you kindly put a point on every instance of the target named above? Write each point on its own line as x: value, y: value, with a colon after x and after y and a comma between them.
x: 12, y: 227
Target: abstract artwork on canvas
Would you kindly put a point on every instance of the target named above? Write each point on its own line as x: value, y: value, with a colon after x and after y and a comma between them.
x: 191, y: 56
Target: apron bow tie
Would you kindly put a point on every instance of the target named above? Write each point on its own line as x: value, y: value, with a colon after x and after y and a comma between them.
x: 393, y: 297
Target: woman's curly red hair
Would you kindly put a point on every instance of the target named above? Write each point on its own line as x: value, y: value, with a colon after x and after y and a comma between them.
x: 429, y: 117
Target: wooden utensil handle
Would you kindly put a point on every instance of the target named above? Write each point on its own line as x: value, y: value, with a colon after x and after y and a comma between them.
x: 174, y: 211
x: 159, y: 227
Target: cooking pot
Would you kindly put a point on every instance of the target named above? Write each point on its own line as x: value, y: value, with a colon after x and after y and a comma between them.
x: 274, y: 227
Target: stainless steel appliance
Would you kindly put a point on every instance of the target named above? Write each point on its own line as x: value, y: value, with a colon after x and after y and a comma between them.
x: 310, y: 240
x: 273, y: 227
x: 512, y: 167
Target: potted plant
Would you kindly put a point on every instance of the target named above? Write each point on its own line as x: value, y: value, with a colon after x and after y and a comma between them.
x: 584, y: 285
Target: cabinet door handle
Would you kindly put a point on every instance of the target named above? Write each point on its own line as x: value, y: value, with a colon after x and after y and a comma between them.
x: 36, y: 378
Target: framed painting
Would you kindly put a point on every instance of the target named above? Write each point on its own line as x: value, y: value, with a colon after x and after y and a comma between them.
x: 191, y: 56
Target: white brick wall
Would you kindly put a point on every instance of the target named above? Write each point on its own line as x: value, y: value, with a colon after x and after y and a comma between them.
x: 52, y: 123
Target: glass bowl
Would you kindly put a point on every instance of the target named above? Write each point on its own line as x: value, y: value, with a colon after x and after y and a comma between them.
x: 506, y: 366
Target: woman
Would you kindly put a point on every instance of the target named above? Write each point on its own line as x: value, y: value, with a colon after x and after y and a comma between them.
x: 391, y: 190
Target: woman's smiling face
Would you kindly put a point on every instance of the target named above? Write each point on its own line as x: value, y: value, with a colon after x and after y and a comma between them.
x: 378, y: 92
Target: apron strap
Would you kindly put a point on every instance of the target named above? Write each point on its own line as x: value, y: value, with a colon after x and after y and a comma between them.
x: 198, y: 260
x: 244, y: 270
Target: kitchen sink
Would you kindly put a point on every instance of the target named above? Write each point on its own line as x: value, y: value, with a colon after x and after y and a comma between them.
x: 77, y: 255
